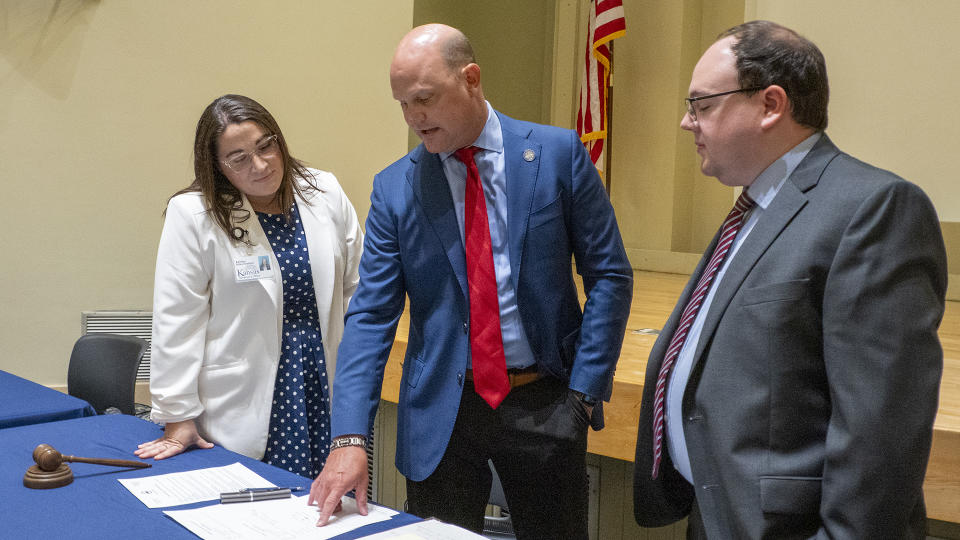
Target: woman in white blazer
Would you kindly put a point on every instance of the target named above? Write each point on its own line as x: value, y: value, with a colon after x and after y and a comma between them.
x: 244, y: 349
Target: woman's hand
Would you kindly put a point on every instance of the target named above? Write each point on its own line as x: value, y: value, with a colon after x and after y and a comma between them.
x: 177, y: 437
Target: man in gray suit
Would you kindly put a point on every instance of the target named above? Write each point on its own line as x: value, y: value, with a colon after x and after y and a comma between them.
x: 793, y: 390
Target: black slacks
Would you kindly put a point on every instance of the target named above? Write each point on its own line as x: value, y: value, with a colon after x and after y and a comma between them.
x: 537, y: 439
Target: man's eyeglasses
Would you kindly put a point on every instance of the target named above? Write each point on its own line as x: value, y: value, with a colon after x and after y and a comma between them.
x: 243, y: 162
x: 692, y: 110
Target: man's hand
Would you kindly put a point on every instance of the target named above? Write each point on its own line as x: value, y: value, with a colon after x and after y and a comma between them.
x: 346, y: 470
x: 177, y: 437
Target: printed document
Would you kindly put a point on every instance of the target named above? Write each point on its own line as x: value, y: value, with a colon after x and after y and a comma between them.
x: 188, y: 487
x: 430, y: 529
x: 278, y: 519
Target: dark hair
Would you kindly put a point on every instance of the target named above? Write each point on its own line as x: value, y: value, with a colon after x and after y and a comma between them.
x: 220, y: 197
x: 768, y: 54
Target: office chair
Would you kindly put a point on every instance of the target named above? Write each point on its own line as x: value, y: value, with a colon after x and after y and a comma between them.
x: 497, y: 527
x: 103, y: 370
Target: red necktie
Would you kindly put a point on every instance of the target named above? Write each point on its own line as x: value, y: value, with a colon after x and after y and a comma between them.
x: 727, y: 234
x: 486, y: 342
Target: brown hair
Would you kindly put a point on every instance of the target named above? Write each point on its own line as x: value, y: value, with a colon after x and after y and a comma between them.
x: 768, y: 54
x: 221, y: 199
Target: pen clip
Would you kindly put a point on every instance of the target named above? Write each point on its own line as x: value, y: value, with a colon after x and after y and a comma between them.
x: 268, y: 489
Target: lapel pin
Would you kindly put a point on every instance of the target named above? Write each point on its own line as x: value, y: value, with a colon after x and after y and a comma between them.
x: 529, y: 155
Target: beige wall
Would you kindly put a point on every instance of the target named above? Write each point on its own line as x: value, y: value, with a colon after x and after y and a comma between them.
x: 667, y: 210
x: 98, y: 105
x: 98, y: 102
x: 513, y: 43
x: 891, y: 70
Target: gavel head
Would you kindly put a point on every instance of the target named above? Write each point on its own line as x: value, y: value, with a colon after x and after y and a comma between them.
x: 47, y: 457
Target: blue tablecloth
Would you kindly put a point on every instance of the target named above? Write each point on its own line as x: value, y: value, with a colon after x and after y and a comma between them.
x: 96, y: 505
x: 24, y: 402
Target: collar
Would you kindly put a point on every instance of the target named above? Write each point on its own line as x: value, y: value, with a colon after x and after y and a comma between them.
x: 491, y: 137
x: 768, y: 184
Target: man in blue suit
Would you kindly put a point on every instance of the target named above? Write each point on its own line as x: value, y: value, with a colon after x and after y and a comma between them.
x: 552, y: 362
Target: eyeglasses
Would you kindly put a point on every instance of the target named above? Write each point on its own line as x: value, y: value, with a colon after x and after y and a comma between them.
x: 243, y: 162
x: 692, y: 111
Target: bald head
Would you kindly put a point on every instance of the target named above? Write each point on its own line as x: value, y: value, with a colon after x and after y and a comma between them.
x: 434, y: 77
x: 450, y: 44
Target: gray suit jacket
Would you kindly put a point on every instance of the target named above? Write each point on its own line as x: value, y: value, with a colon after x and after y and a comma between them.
x: 810, y: 407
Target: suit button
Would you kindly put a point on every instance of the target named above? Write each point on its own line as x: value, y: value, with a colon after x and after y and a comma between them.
x: 464, y: 328
x: 460, y: 379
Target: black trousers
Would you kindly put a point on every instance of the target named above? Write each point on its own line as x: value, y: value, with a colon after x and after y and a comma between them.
x: 537, y: 439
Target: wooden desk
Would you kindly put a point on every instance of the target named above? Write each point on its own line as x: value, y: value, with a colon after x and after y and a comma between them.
x: 654, y: 295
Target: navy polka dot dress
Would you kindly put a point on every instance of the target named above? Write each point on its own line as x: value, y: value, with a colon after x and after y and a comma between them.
x: 299, y: 432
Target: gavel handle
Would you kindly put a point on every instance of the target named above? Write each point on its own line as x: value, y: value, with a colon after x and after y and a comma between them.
x: 104, y: 461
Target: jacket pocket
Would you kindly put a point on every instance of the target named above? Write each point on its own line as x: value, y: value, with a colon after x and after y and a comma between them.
x: 547, y: 213
x: 224, y: 365
x: 790, y: 494
x: 568, y: 351
x: 775, y: 292
x: 412, y: 368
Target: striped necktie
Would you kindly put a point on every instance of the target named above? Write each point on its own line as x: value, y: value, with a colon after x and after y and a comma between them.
x: 727, y: 235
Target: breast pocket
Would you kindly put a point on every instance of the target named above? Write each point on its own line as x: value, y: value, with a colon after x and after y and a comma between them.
x: 546, y: 214
x: 784, y: 347
x: 775, y: 292
x: 780, y: 306
x: 547, y: 247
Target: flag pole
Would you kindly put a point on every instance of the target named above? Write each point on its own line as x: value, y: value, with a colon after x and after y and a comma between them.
x: 608, y: 155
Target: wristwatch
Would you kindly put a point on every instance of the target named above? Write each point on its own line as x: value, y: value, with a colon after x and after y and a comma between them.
x: 348, y: 440
x: 585, y: 399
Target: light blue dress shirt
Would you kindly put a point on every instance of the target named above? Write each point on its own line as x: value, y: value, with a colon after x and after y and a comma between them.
x: 762, y: 190
x: 492, y: 166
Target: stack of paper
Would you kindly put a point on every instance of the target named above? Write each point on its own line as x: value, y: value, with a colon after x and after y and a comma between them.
x: 283, y: 519
x: 190, y: 487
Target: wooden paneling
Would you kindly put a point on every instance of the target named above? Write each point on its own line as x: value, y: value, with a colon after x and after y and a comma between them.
x: 654, y: 295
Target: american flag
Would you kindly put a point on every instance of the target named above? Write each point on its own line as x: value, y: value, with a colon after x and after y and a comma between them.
x: 606, y: 24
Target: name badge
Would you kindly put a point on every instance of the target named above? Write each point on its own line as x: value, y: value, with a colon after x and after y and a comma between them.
x: 252, y: 268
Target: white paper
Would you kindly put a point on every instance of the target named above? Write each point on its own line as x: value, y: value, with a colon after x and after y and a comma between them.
x: 188, y: 487
x: 281, y: 519
x: 430, y: 529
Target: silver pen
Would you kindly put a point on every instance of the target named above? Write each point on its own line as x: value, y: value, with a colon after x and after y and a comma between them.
x: 258, y: 494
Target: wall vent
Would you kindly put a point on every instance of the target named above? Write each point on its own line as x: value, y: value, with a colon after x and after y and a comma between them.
x: 125, y: 323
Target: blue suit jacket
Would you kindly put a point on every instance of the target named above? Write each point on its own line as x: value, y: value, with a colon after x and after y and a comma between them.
x: 557, y: 208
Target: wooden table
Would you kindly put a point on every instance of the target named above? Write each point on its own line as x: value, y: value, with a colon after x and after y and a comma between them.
x: 654, y: 296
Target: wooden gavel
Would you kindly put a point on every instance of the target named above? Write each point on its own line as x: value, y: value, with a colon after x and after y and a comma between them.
x: 48, y: 459
x: 51, y: 470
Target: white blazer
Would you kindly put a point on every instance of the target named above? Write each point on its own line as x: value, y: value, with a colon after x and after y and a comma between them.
x: 216, y: 341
